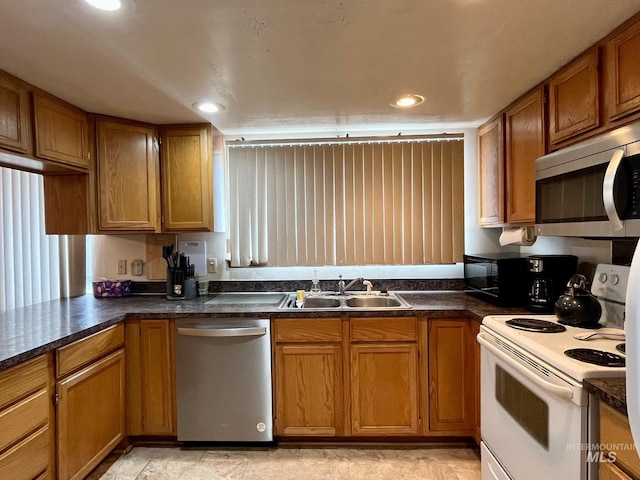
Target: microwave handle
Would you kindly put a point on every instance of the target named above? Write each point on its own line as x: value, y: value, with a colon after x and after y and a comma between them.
x: 607, y: 190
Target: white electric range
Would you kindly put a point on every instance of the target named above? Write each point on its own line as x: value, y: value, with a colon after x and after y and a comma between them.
x: 537, y: 421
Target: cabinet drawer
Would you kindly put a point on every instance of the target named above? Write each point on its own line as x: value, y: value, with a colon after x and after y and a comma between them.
x: 308, y: 330
x: 82, y: 352
x: 18, y: 382
x: 28, y: 459
x: 384, y: 329
x: 615, y: 430
x: 24, y: 417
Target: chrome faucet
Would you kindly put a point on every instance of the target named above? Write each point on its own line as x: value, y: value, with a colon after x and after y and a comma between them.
x: 343, y: 288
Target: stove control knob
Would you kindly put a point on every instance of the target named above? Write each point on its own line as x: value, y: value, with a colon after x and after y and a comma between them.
x: 602, y: 277
x: 615, y: 279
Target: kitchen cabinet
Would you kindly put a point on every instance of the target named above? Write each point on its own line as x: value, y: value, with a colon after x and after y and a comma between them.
x: 475, y: 348
x: 525, y: 142
x: 452, y: 376
x: 309, y: 385
x: 61, y: 131
x: 187, y: 177
x: 622, y: 72
x: 15, y: 123
x: 26, y: 416
x: 384, y: 376
x: 127, y: 177
x: 150, y: 354
x: 615, y: 431
x: 574, y: 98
x: 90, y: 393
x: 348, y: 377
x: 491, y: 172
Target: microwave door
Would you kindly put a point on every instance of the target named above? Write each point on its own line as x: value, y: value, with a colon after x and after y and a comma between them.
x: 610, y: 187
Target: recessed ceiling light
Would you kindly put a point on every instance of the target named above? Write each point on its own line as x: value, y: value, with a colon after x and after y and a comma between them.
x: 407, y: 101
x: 105, y: 4
x: 208, y: 107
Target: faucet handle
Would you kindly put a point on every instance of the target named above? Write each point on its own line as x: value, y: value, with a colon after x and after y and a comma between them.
x: 369, y: 285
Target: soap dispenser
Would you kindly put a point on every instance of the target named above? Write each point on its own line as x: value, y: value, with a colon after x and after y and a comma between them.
x: 315, y: 287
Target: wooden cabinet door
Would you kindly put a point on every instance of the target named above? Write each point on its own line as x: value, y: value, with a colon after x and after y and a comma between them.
x: 623, y: 72
x: 384, y: 389
x: 309, y: 390
x: 61, y: 131
x: 15, y: 134
x: 451, y: 376
x: 475, y: 369
x: 151, y: 390
x: 127, y: 168
x: 91, y: 416
x: 525, y: 128
x: 187, y: 178
x: 491, y: 172
x: 574, y: 98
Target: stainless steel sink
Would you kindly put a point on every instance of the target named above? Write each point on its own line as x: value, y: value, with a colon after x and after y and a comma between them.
x: 369, y: 301
x: 248, y: 298
x: 331, y: 301
x: 321, y: 302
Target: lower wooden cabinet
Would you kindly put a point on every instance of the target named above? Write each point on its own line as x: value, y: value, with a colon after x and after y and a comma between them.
x: 308, y: 377
x: 26, y: 416
x: 151, y: 404
x: 615, y: 431
x: 452, y: 377
x: 347, y: 377
x: 90, y: 393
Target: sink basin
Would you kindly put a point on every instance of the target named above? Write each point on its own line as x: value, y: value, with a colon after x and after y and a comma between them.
x: 373, y: 302
x: 321, y: 302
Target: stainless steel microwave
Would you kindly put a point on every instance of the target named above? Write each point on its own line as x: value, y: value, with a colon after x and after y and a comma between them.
x: 591, y: 189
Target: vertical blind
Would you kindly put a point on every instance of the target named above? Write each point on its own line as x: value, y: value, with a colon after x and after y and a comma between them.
x: 29, y: 265
x: 349, y: 203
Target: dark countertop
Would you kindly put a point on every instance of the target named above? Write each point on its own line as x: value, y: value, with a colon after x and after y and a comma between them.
x: 612, y: 391
x: 31, y: 331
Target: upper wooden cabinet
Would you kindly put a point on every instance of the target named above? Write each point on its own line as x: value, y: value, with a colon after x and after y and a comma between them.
x: 187, y: 177
x: 623, y: 72
x: 574, y: 98
x: 491, y: 172
x: 61, y: 131
x: 15, y: 132
x: 525, y: 141
x: 127, y: 177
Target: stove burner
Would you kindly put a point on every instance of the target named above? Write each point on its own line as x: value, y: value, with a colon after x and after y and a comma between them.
x: 622, y: 347
x: 535, y: 325
x: 596, y: 357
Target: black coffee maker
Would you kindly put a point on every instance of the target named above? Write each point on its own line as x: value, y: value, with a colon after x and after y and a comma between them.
x: 548, y: 277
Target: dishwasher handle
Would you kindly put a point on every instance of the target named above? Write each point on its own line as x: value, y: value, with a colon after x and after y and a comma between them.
x: 222, y: 332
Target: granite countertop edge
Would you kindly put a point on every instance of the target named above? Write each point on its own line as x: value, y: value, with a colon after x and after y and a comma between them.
x: 612, y: 391
x: 31, y: 331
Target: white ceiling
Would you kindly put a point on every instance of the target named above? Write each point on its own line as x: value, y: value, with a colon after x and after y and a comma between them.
x: 282, y: 65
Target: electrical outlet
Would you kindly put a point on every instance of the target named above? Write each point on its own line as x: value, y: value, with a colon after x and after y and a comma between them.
x: 136, y: 267
x: 212, y: 265
x: 122, y: 267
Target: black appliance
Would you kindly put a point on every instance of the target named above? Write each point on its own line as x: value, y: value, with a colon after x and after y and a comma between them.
x: 498, y: 278
x: 548, y: 277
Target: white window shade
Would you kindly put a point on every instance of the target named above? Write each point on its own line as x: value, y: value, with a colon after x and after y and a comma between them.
x: 29, y: 259
x: 349, y: 203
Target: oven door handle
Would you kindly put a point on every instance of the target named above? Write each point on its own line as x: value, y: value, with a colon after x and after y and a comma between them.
x: 557, y: 390
x: 608, y: 184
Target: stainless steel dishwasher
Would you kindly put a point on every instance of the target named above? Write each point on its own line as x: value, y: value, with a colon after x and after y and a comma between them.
x: 223, y: 380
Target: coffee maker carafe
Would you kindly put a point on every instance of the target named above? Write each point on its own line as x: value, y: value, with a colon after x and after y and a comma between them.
x: 548, y: 276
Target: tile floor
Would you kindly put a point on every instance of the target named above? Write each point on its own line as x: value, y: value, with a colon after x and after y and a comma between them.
x: 147, y: 463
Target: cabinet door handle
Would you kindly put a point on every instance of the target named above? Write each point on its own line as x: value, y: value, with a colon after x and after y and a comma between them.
x: 222, y: 332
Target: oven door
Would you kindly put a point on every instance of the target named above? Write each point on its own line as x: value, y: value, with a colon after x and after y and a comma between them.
x: 533, y: 420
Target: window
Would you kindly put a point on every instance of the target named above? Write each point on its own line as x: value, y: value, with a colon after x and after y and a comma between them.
x: 355, y: 202
x: 29, y: 259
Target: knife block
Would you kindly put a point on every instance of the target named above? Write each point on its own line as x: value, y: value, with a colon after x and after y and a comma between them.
x: 178, y: 287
